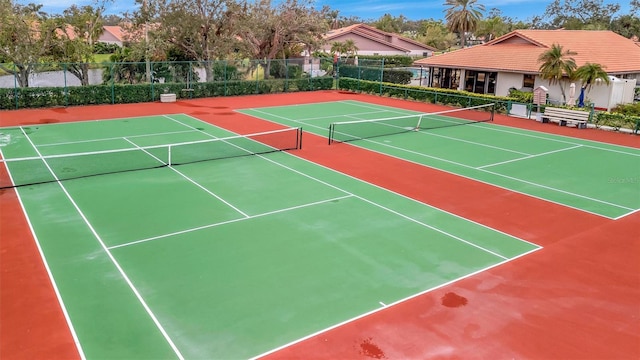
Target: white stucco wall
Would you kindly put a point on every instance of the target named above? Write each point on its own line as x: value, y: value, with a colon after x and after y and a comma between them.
x: 603, y: 96
x: 507, y: 80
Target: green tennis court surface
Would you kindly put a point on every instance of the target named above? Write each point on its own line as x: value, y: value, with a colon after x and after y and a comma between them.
x: 229, y: 258
x: 595, y: 177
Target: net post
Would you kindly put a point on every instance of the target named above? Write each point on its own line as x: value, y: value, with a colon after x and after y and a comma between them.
x: 169, y: 155
x: 330, y: 132
x: 419, y: 122
x: 299, y: 138
x: 493, y: 111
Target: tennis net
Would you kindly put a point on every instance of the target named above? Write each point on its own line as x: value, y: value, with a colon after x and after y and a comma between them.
x: 363, y: 129
x: 51, y: 168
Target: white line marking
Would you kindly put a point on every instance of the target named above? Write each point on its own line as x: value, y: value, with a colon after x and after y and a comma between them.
x: 381, y: 303
x: 74, y: 335
x: 228, y: 222
x: 191, y: 180
x: 111, y: 257
x: 379, y: 187
x: 484, y: 170
x: 503, y: 128
x: 376, y: 310
x: 115, y: 138
x: 529, y: 157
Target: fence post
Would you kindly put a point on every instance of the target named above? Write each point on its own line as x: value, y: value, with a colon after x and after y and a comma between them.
x: 153, y: 95
x: 226, y: 92
x: 15, y: 86
x: 113, y: 90
x: 381, y: 75
x: 66, y: 88
x: 286, y: 76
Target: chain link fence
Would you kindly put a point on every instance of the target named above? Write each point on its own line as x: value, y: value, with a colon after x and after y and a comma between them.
x: 69, y: 84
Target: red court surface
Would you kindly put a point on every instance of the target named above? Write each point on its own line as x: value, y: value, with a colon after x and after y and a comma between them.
x: 577, y: 298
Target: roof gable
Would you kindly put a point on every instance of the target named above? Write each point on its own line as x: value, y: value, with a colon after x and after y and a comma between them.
x: 382, y: 37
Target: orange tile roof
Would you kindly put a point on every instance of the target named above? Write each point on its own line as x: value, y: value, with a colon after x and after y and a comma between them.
x: 519, y: 50
x: 116, y: 31
x: 375, y: 35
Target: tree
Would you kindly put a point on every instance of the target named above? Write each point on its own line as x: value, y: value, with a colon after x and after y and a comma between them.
x: 580, y: 14
x: 626, y: 25
x: 346, y: 48
x: 491, y: 28
x: 80, y: 30
x: 589, y: 74
x: 389, y: 23
x: 555, y: 64
x: 205, y: 30
x: 26, y: 35
x: 435, y: 34
x: 267, y: 32
x: 462, y: 17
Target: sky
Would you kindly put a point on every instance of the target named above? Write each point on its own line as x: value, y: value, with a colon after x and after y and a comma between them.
x: 365, y: 9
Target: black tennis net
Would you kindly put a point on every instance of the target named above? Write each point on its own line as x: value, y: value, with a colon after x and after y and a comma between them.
x: 363, y: 129
x: 44, y: 169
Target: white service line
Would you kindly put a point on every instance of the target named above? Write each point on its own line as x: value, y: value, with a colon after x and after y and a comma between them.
x: 115, y: 138
x: 378, y: 187
x: 383, y: 308
x: 529, y: 157
x: 191, y: 180
x: 227, y: 222
x: 111, y: 257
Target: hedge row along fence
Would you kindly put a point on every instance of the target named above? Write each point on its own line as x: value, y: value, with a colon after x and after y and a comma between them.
x: 430, y: 95
x: 373, y: 74
x: 457, y: 98
x: 134, y: 93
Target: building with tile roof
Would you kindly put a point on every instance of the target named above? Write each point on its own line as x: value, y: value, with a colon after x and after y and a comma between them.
x: 371, y: 41
x: 112, y: 35
x: 511, y: 61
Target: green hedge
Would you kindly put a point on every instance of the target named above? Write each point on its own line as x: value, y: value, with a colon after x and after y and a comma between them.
x: 390, y: 60
x: 373, y: 74
x: 430, y: 95
x: 135, y: 93
x: 616, y: 120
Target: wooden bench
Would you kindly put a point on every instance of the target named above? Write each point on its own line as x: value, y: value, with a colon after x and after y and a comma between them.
x: 565, y: 117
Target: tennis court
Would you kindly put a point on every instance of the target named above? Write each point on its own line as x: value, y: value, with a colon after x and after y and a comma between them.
x: 595, y: 177
x: 165, y: 236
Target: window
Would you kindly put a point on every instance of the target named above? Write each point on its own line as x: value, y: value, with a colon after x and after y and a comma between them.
x: 480, y: 82
x: 528, y: 81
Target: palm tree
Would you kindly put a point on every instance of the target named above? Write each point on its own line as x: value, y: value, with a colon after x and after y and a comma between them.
x: 462, y: 16
x: 492, y: 28
x: 346, y: 48
x: 590, y: 73
x: 557, y: 63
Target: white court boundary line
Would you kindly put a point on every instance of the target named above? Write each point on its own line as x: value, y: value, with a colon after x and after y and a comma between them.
x: 537, y: 135
x: 374, y: 185
x: 63, y: 307
x: 491, y: 172
x: 110, y: 256
x: 387, y: 306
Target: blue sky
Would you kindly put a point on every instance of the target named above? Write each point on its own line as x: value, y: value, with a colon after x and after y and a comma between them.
x: 365, y: 9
